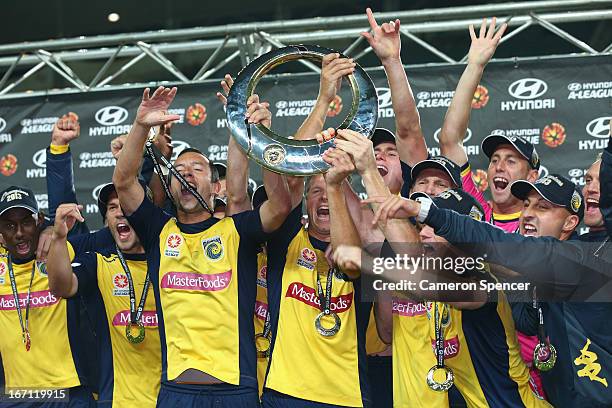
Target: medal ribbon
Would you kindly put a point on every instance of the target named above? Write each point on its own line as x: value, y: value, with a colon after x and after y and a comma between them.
x: 439, y: 336
x: 25, y: 333
x: 325, y: 298
x: 135, y: 314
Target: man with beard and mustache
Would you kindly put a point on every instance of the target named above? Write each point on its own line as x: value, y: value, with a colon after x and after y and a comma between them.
x: 40, y: 344
x: 115, y: 286
x: 203, y: 270
x: 563, y: 269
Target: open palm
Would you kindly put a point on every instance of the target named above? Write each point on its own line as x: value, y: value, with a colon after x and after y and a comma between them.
x: 384, y: 39
x: 484, y: 45
x: 153, y: 109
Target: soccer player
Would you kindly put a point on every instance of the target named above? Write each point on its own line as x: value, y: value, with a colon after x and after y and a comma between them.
x: 317, y: 320
x: 567, y: 268
x: 203, y: 270
x: 116, y: 280
x: 473, y: 337
x: 40, y: 344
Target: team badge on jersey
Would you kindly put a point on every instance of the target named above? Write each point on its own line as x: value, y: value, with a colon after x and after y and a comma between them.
x: 42, y: 268
x: 3, y: 269
x: 262, y: 276
x: 173, y: 244
x: 120, y: 285
x: 213, y: 248
x: 307, y: 259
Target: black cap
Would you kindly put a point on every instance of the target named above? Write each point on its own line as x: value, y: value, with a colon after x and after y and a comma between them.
x: 109, y: 188
x: 555, y: 189
x: 456, y: 200
x: 525, y: 148
x: 221, y: 169
x: 382, y: 135
x: 18, y: 197
x: 440, y: 163
x: 259, y: 197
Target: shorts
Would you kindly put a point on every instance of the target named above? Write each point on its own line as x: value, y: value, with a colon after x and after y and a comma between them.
x: 380, y: 374
x: 78, y: 397
x: 207, y: 396
x: 273, y: 399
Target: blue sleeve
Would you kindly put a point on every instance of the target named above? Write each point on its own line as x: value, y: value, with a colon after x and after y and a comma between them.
x: 542, y: 259
x: 146, y: 172
x: 525, y: 318
x: 605, y: 180
x: 283, y: 236
x: 407, y: 179
x: 248, y: 225
x: 92, y: 241
x: 148, y: 222
x: 60, y: 186
x: 85, y: 267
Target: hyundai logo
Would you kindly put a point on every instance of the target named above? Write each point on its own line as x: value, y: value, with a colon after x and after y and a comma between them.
x: 384, y: 97
x: 111, y: 115
x: 2, y: 124
x: 96, y: 191
x: 468, y: 135
x: 599, y: 128
x: 423, y: 95
x: 575, y: 172
x: 498, y: 132
x: 527, y: 88
x: 281, y: 104
x: 177, y: 147
x: 574, y: 86
x: 40, y: 158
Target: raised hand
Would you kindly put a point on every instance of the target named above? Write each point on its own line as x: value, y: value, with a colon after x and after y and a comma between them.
x: 226, y: 85
x: 384, y: 39
x: 44, y: 243
x: 66, y: 129
x: 163, y: 140
x: 116, y: 145
x: 358, y: 147
x: 484, y: 45
x: 66, y: 216
x: 341, y: 166
x: 258, y: 112
x: 333, y: 68
x: 153, y: 108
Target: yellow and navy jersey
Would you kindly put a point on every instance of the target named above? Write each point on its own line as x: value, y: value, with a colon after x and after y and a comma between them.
x: 304, y: 364
x: 481, y: 348
x: 374, y: 343
x: 53, y: 360
x: 204, y: 281
x: 412, y: 357
x: 260, y: 313
x: 130, y: 373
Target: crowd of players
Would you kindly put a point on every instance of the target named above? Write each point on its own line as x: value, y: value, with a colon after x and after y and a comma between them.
x: 199, y: 293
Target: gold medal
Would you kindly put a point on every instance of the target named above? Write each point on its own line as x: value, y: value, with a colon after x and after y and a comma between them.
x: 141, y: 332
x: 325, y: 332
x: 263, y: 352
x: 436, y: 385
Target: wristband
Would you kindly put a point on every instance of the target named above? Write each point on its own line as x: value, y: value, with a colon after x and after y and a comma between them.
x: 424, y: 210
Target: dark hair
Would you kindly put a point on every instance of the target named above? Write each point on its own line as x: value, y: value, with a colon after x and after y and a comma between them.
x: 214, y: 173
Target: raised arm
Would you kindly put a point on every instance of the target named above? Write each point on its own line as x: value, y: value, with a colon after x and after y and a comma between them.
x: 275, y: 210
x: 62, y: 282
x: 458, y: 113
x: 151, y: 112
x: 332, y: 70
x: 342, y: 227
x: 386, y: 43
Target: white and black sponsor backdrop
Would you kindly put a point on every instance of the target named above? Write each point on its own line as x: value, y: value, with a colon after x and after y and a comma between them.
x: 563, y: 106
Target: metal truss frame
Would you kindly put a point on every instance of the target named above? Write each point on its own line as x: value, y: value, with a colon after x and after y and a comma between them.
x: 247, y: 41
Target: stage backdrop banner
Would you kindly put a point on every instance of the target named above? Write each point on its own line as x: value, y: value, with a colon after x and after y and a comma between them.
x: 563, y: 106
